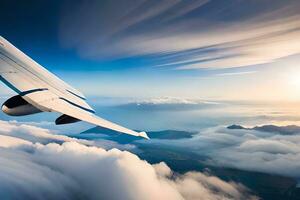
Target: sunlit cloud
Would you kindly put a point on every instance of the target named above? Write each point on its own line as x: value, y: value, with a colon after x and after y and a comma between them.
x: 35, y: 134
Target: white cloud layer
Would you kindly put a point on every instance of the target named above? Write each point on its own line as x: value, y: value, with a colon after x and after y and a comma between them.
x: 71, y: 170
x: 174, y: 100
x: 35, y: 134
x: 269, y: 152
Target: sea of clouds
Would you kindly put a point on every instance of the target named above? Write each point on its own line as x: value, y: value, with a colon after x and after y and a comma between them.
x: 37, y: 164
x: 275, y: 151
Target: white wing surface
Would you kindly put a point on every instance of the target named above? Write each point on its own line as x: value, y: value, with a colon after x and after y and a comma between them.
x: 45, y: 91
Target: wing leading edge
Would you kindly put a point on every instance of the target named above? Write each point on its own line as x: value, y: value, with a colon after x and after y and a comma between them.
x: 47, y: 92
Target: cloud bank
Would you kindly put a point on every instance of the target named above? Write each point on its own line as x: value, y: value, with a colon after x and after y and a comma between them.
x: 170, y: 103
x: 174, y: 100
x: 274, y: 150
x: 73, y: 170
x: 184, y: 35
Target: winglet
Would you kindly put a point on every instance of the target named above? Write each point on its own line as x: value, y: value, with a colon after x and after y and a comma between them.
x: 144, y: 135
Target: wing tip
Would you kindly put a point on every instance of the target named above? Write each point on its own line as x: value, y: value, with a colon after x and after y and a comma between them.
x: 144, y: 135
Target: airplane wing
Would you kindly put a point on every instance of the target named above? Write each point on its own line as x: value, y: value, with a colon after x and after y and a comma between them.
x: 47, y: 92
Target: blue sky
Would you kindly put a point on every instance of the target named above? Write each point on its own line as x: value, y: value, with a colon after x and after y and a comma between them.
x: 139, y: 48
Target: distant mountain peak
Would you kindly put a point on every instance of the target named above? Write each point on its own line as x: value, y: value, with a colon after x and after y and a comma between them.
x: 285, y: 130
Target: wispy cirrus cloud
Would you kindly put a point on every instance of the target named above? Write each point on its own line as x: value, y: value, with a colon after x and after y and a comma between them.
x: 185, y: 35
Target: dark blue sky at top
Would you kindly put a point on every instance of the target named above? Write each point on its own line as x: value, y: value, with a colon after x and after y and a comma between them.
x: 33, y: 27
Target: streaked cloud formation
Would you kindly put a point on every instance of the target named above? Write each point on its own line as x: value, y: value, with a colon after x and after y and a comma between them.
x: 185, y: 34
x: 72, y: 170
